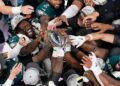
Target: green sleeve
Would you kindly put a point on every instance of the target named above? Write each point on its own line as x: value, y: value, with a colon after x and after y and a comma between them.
x: 45, y: 9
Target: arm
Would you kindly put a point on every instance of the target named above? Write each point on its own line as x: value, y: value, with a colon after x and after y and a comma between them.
x: 16, y: 69
x: 92, y: 17
x: 91, y: 64
x: 70, y: 12
x: 113, y: 39
x: 15, y: 10
x: 80, y: 40
x: 29, y: 48
x: 108, y: 81
x: 74, y: 8
x: 105, y: 37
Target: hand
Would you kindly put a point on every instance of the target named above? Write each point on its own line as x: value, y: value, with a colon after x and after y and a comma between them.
x: 87, y: 62
x: 15, y: 71
x: 61, y: 19
x: 22, y: 41
x: 89, y: 2
x: 91, y: 63
x: 27, y: 9
x: 91, y: 17
x: 77, y: 40
x: 101, y: 26
x: 58, y: 52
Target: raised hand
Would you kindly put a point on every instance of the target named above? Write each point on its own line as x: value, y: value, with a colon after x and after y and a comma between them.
x: 77, y: 40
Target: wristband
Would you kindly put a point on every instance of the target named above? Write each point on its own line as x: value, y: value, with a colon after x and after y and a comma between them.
x: 58, y: 52
x: 71, y: 11
x: 90, y: 36
x: 16, y: 10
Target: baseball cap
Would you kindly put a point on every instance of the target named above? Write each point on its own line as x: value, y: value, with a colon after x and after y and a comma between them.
x: 16, y: 20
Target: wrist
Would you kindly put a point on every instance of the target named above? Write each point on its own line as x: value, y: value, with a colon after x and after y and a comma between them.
x: 89, y: 37
x: 16, y: 10
x: 12, y: 77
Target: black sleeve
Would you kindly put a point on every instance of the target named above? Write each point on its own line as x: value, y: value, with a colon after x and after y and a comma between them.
x: 117, y: 40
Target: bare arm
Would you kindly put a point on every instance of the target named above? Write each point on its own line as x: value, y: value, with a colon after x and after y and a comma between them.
x: 78, y: 4
x: 15, y: 10
x: 92, y: 64
x: 5, y: 9
x: 108, y: 81
x: 105, y: 37
x: 29, y: 47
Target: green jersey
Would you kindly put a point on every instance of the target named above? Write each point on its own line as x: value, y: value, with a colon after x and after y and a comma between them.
x: 110, y: 64
x: 45, y: 8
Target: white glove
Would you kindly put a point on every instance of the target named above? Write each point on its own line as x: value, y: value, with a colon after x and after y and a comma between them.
x: 51, y: 83
x: 95, y: 66
x: 77, y: 40
x: 67, y: 48
x: 58, y: 52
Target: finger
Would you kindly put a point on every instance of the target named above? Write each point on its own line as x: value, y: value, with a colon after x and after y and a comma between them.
x: 101, y: 31
x: 57, y: 20
x: 94, y: 26
x: 83, y: 61
x: 84, y: 20
x: 18, y: 65
x: 30, y: 7
x: 86, y: 59
x: 81, y: 64
x: 15, y: 66
x: 66, y: 21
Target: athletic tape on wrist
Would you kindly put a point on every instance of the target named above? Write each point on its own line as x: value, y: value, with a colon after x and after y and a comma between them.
x: 16, y: 10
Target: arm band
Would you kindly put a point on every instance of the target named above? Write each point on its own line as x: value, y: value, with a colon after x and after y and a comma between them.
x: 16, y: 10
x: 71, y: 11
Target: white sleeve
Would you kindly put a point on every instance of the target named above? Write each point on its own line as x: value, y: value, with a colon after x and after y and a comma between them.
x: 8, y: 83
x: 71, y: 11
x: 15, y: 51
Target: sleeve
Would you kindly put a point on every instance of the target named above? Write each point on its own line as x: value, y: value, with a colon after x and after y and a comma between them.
x: 8, y: 83
x: 15, y: 51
